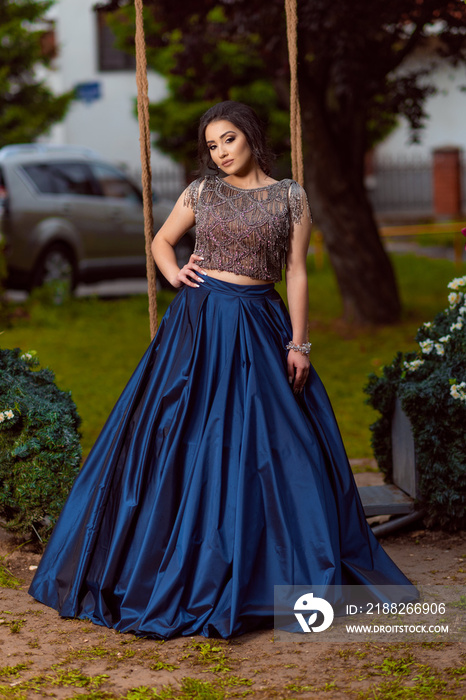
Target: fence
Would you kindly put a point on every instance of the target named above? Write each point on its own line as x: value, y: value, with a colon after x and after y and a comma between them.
x: 404, y: 186
x: 463, y: 181
x: 168, y: 183
x: 398, y: 186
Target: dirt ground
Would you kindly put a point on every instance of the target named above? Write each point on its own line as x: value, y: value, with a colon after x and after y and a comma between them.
x: 42, y: 655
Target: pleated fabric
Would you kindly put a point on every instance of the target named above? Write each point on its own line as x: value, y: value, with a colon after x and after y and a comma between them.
x: 210, y: 483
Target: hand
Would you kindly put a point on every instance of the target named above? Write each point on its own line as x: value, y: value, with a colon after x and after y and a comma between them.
x: 188, y: 273
x: 298, y: 370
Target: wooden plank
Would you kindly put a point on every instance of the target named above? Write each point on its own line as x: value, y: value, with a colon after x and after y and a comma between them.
x: 385, y: 500
x: 404, y: 473
x: 421, y: 229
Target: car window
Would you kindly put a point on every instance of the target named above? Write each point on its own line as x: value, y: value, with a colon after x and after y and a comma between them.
x: 113, y: 184
x: 61, y: 178
x: 40, y: 176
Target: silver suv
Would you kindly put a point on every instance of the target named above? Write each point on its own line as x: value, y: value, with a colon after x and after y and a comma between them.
x: 69, y: 216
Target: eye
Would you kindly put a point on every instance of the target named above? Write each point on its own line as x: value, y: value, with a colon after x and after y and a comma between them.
x: 229, y: 139
x: 211, y: 148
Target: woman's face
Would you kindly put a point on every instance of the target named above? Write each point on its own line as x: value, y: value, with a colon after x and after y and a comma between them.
x: 229, y: 148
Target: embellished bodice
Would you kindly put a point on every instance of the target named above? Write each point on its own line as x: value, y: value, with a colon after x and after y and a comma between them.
x: 245, y: 231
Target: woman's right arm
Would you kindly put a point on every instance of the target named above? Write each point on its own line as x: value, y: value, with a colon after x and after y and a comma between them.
x: 181, y: 219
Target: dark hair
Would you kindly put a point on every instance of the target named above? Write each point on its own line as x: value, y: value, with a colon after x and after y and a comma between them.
x: 245, y: 119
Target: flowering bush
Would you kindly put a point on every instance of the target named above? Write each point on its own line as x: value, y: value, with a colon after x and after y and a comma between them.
x: 431, y: 385
x: 40, y: 452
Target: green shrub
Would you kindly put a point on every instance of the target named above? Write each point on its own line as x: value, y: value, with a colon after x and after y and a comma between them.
x: 431, y: 385
x: 40, y: 453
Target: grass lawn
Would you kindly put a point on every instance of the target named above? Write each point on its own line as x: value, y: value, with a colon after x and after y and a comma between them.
x: 93, y: 345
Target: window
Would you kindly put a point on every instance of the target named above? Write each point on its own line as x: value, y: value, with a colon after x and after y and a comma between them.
x: 113, y: 184
x: 48, y: 40
x: 40, y: 176
x: 109, y: 57
x: 61, y: 178
x: 71, y: 178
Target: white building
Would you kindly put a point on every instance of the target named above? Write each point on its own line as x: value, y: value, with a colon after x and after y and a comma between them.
x: 104, y: 117
x: 401, y: 182
x: 445, y: 125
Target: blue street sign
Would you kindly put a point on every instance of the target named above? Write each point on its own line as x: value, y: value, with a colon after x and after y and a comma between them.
x: 88, y: 92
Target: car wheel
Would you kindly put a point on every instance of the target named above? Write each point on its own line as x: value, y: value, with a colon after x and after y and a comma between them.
x: 56, y: 267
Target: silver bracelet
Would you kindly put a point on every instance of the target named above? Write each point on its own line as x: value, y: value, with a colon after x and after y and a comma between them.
x: 304, y: 349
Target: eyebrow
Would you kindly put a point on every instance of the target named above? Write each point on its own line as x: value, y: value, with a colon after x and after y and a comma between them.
x: 230, y: 131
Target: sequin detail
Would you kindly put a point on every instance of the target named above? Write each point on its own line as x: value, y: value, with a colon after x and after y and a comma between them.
x: 191, y: 194
x: 245, y: 231
x: 298, y: 202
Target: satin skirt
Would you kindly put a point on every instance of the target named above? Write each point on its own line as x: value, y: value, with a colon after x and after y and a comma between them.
x: 210, y: 483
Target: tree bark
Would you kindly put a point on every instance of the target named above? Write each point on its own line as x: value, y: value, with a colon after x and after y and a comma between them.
x: 342, y: 210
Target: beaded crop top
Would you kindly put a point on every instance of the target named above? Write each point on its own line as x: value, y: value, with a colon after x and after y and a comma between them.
x: 245, y: 231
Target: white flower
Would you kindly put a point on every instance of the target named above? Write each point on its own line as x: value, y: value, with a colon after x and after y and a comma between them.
x: 426, y: 346
x: 6, y: 415
x: 463, y: 311
x: 427, y: 324
x: 458, y: 391
x: 457, y: 326
x: 413, y: 365
x: 439, y: 349
x: 444, y: 338
x: 454, y: 298
x: 457, y: 283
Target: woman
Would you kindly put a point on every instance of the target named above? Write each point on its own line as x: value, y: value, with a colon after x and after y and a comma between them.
x: 220, y: 472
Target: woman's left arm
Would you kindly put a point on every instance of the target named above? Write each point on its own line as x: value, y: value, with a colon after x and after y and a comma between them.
x: 298, y: 297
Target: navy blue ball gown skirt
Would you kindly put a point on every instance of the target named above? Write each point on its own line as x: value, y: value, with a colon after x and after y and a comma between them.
x: 210, y: 483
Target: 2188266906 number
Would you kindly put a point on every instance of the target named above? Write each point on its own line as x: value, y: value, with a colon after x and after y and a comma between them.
x: 397, y: 609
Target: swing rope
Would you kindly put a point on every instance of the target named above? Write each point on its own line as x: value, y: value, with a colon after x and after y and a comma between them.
x: 297, y: 165
x: 146, y: 175
x: 144, y: 134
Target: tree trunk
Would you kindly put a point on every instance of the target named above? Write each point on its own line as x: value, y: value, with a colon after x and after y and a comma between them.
x: 344, y: 214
